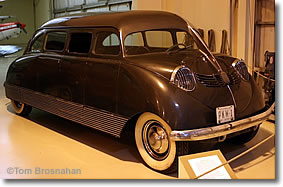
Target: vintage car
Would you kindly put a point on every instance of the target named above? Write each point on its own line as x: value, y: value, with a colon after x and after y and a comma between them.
x: 146, y: 71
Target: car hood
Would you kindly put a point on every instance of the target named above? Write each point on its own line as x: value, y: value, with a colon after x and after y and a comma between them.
x: 164, y: 64
x: 213, y: 97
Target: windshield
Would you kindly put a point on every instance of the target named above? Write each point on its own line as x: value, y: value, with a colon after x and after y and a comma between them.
x: 156, y: 41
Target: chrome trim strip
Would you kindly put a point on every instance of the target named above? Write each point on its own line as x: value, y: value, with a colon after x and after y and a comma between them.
x: 221, y: 130
x: 213, y: 62
x: 101, y: 120
x: 232, y: 95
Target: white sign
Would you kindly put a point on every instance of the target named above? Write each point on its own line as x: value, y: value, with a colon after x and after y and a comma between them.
x: 205, y: 164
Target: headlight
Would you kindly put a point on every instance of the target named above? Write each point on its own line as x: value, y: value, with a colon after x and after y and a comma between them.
x: 241, y: 69
x: 183, y: 78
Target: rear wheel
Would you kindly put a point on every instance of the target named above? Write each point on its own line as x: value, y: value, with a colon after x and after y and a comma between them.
x: 154, y: 144
x: 21, y: 108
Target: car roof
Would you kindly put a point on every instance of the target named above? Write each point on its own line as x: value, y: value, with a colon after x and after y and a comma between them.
x: 126, y: 22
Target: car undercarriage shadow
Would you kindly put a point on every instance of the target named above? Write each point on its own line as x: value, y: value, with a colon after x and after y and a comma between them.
x: 113, y: 146
x: 263, y: 150
x: 88, y: 136
x: 123, y: 148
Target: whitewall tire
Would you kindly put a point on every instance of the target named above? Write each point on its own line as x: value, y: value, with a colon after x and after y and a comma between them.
x: 21, y: 108
x: 153, y: 142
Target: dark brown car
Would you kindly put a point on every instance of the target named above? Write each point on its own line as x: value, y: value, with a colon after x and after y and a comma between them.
x: 143, y: 70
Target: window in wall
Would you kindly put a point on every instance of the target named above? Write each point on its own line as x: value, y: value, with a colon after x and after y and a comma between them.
x: 38, y: 44
x: 80, y: 42
x: 68, y: 7
x: 55, y: 41
x: 108, y: 43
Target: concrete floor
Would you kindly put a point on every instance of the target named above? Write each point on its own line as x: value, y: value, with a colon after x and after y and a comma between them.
x: 44, y: 141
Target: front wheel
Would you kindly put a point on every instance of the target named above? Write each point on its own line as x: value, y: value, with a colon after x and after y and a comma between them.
x: 21, y: 108
x: 154, y: 144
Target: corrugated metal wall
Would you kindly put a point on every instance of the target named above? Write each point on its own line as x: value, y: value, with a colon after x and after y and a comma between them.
x: 68, y: 7
x: 264, y: 29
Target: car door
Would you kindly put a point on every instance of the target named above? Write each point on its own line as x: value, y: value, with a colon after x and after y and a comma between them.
x: 102, y: 70
x: 24, y: 74
x: 47, y: 63
x: 72, y: 66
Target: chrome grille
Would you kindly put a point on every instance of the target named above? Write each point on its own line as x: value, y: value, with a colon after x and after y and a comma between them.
x: 242, y: 69
x: 216, y: 80
x: 234, y: 78
x: 184, y: 79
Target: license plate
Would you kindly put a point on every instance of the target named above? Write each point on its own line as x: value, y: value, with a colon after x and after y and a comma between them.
x: 225, y: 114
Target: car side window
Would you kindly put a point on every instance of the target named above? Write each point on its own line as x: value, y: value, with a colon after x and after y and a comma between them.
x: 134, y: 39
x: 37, y: 44
x: 107, y: 43
x: 80, y: 42
x: 56, y: 41
x: 134, y: 44
x: 186, y: 39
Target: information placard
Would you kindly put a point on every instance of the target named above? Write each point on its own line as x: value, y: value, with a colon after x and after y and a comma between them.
x: 191, y: 166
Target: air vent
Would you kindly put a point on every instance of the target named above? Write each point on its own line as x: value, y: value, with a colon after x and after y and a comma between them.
x: 216, y: 80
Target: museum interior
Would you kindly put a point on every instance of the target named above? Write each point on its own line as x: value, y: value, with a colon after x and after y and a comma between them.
x: 43, y: 145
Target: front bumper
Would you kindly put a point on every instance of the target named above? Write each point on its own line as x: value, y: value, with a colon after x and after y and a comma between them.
x: 223, y: 130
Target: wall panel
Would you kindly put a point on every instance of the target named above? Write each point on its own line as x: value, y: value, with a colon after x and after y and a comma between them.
x: 23, y: 12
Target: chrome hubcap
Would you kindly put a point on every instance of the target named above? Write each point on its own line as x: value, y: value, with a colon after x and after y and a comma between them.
x: 156, y: 140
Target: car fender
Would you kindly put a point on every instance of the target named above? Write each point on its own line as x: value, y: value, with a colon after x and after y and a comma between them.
x: 140, y: 90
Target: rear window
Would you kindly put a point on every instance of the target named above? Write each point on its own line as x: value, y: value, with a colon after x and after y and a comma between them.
x: 80, y: 42
x: 56, y: 41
